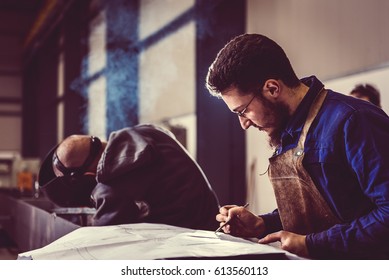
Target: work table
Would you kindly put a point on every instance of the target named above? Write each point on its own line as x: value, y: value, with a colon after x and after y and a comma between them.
x: 30, y: 221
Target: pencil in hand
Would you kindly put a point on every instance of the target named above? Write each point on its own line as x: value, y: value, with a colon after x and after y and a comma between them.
x: 226, y: 223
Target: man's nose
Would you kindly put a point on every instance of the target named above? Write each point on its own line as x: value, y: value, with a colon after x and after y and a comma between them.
x: 245, y: 123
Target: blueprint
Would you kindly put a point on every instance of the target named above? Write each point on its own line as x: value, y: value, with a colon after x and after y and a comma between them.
x: 147, y: 242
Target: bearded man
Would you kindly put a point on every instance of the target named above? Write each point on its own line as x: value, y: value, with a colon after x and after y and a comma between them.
x: 330, y: 168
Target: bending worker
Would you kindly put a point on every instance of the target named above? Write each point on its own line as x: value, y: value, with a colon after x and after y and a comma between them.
x: 330, y: 168
x: 142, y: 174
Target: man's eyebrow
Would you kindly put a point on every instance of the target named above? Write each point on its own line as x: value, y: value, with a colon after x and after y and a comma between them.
x: 235, y: 110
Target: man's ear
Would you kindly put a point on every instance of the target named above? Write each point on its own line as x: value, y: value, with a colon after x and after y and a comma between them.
x: 272, y: 89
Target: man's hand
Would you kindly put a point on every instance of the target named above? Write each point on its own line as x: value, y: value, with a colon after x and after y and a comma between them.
x: 291, y: 242
x: 241, y: 222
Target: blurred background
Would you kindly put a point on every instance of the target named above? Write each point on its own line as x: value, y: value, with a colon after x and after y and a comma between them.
x: 94, y: 66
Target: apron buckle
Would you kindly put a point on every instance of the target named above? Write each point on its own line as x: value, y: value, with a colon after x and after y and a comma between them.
x: 299, y: 152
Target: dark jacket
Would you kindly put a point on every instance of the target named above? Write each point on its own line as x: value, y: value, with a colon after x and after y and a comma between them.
x: 146, y: 175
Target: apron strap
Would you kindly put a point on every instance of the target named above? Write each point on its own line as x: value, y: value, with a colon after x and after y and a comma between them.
x: 315, y: 108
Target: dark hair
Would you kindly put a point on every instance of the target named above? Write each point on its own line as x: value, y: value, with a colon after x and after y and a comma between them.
x: 367, y: 90
x: 246, y: 62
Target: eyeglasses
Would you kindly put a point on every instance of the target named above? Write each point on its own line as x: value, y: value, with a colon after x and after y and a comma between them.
x: 242, y: 113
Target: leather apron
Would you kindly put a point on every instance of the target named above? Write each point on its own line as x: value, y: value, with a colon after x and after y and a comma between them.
x: 301, y: 207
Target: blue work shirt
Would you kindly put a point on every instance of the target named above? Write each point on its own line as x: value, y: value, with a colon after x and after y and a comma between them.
x: 347, y: 157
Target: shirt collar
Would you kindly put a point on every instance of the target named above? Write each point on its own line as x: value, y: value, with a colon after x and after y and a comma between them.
x: 296, y: 123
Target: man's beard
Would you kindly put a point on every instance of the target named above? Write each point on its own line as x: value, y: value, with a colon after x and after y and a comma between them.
x: 280, y: 114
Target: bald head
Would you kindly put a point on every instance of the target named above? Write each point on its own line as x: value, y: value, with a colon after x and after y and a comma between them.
x: 73, y: 152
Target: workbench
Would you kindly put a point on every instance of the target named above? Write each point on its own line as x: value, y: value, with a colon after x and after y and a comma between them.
x: 30, y: 222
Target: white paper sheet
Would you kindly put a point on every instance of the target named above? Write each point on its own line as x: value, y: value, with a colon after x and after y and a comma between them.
x: 145, y: 242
